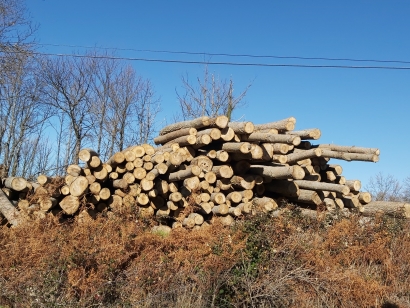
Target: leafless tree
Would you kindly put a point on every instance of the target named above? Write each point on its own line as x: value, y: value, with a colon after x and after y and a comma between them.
x: 209, y: 96
x: 385, y: 188
x: 68, y: 90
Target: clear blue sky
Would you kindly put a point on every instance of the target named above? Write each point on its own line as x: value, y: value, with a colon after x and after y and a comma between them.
x: 361, y: 107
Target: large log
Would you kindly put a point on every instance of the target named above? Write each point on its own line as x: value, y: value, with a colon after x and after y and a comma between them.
x: 395, y: 209
x: 242, y: 127
x: 195, y: 123
x: 303, y: 154
x: 8, y: 210
x: 237, y: 147
x: 79, y: 186
x: 70, y: 204
x: 15, y: 183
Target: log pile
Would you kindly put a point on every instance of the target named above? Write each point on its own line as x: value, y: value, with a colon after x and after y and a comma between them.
x: 202, y: 170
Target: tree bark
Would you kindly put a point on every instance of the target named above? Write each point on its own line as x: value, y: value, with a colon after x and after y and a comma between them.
x: 285, y: 172
x: 395, y: 209
x: 8, y: 210
x: 195, y: 123
x: 349, y: 156
x: 350, y: 149
x: 269, y: 138
x: 242, y: 127
x: 323, y: 186
x: 174, y: 135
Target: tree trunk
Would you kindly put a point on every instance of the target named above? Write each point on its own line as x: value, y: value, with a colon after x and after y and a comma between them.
x: 323, y: 186
x: 266, y: 137
x: 395, y: 209
x: 285, y: 172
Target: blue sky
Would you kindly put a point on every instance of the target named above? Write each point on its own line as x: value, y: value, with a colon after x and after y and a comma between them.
x: 361, y: 107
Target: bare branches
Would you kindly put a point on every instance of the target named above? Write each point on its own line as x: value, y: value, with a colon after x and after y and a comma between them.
x: 385, y: 188
x: 210, y: 96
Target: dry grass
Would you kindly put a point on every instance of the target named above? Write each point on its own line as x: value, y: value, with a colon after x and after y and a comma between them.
x: 290, y: 261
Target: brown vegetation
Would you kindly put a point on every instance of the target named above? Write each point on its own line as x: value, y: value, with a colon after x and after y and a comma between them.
x: 265, y: 261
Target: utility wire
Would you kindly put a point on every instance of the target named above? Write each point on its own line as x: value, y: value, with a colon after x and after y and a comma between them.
x: 224, y: 63
x: 230, y: 54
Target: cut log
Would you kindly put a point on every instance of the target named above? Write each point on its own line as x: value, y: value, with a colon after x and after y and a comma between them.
x: 198, y: 219
x: 213, y: 133
x: 310, y: 133
x: 227, y: 134
x: 174, y: 135
x: 323, y: 186
x: 86, y: 154
x: 43, y: 179
x: 219, y: 121
x: 349, y: 156
x: 285, y: 172
x: 15, y: 183
x: 282, y: 125
x: 218, y: 198
x: 195, y: 123
x: 350, y: 149
x: 364, y: 197
x: 237, y: 147
x: 395, y: 209
x: 101, y: 173
x: 223, y: 184
x: 8, y: 210
x: 183, y: 140
x: 139, y: 173
x: 146, y: 185
x: 70, y: 204
x: 223, y: 171
x: 264, y: 137
x: 234, y: 197
x: 221, y: 209
x: 184, y: 174
x: 303, y: 154
x: 264, y: 204
x: 308, y: 196
x: 354, y: 185
x: 243, y: 182
x: 203, y: 162
x: 242, y: 127
x: 235, y: 211
x: 79, y: 186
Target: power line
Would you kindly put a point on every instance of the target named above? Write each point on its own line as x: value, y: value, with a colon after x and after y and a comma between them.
x: 224, y: 63
x: 230, y: 54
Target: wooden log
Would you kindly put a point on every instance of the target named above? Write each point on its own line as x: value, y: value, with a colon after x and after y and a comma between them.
x: 146, y: 185
x: 15, y: 183
x: 235, y: 211
x: 310, y: 133
x: 264, y: 204
x: 349, y: 156
x: 195, y: 123
x: 218, y: 198
x: 79, y: 186
x: 242, y: 127
x: 395, y: 209
x: 350, y: 149
x: 308, y: 196
x: 243, y: 182
x: 245, y: 207
x: 86, y: 154
x: 9, y: 211
x: 206, y: 207
x: 46, y: 203
x: 237, y: 147
x: 354, y: 185
x: 188, y: 223
x: 184, y: 140
x: 175, y: 134
x: 139, y: 173
x: 142, y: 199
x: 285, y: 172
x: 148, y: 166
x: 337, y: 169
x: 219, y: 121
x: 95, y: 188
x: 227, y: 134
x: 43, y: 179
x: 202, y: 141
x: 220, y: 209
x: 210, y: 177
x: 180, y: 175
x: 269, y: 138
x: 192, y: 183
x: 222, y: 156
x: 234, y: 197
x: 70, y: 204
x: 303, y: 154
x: 364, y: 197
x: 213, y: 133
x: 198, y: 219
x: 101, y: 173
x: 323, y: 186
x: 226, y: 220
x: 281, y: 125
x: 283, y: 187
x: 120, y: 183
x: 223, y: 171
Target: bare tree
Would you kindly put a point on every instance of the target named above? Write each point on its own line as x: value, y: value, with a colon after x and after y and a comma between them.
x: 68, y: 90
x: 385, y: 188
x: 209, y: 96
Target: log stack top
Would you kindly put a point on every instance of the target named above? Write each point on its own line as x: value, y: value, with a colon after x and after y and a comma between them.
x: 207, y: 169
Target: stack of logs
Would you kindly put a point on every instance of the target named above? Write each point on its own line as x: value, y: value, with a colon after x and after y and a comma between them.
x: 204, y: 170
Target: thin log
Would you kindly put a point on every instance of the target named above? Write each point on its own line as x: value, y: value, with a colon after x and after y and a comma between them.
x: 310, y: 133
x: 213, y: 133
x: 285, y: 172
x: 323, y: 186
x: 174, y: 135
x: 195, y: 123
x: 303, y: 154
x: 350, y: 149
x: 237, y: 147
x: 264, y: 137
x: 349, y: 156
x: 281, y: 125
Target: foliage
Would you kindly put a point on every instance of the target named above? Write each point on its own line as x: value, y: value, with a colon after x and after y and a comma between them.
x: 264, y: 261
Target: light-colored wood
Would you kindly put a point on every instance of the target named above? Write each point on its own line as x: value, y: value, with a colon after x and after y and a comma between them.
x: 243, y: 182
x: 323, y: 186
x: 120, y: 183
x: 223, y: 184
x: 264, y: 204
x: 350, y: 149
x: 303, y: 154
x: 70, y: 204
x: 139, y: 173
x: 227, y: 134
x: 220, y: 121
x: 146, y: 185
x: 195, y: 123
x: 237, y: 147
x: 242, y: 127
x: 175, y: 134
x: 223, y: 171
x: 8, y: 210
x: 354, y: 185
x: 213, y: 133
x: 15, y: 183
x: 281, y: 125
x: 222, y: 156
x: 310, y: 133
x: 192, y: 183
x: 180, y: 175
x: 245, y: 207
x: 285, y: 172
x: 235, y: 197
x: 142, y: 199
x: 184, y: 140
x: 364, y: 197
x: 308, y: 196
x: 220, y: 209
x: 79, y: 186
x: 101, y: 173
x: 349, y: 156
x: 235, y: 211
x: 199, y: 219
x: 218, y: 198
x: 269, y: 138
x: 86, y: 154
x: 43, y: 179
